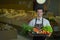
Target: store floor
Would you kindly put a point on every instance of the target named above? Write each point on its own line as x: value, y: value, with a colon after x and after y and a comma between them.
x: 23, y: 38
x: 20, y: 38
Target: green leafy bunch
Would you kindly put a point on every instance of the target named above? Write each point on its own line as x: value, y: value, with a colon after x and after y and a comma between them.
x: 26, y: 27
x: 48, y: 28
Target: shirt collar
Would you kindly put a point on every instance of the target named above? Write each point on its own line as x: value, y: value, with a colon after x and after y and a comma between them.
x: 40, y: 18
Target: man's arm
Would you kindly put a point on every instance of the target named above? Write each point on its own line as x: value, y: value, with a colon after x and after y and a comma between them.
x: 31, y: 23
x: 49, y: 34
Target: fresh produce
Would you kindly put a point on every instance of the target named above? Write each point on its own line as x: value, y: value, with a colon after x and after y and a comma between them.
x: 40, y: 31
x: 35, y: 30
x: 26, y: 27
x: 44, y: 30
x: 47, y: 28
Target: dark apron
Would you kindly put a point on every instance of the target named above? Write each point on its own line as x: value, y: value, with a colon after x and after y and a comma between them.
x: 38, y: 26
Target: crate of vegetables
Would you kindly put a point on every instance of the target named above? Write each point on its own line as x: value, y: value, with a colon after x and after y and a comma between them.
x: 44, y: 31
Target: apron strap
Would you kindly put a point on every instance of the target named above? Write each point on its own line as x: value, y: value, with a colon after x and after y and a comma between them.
x: 42, y: 22
x: 36, y: 21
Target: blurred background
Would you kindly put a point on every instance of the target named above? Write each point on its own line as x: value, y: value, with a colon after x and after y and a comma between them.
x: 15, y: 12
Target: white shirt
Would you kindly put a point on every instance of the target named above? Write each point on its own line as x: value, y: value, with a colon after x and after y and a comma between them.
x: 45, y: 22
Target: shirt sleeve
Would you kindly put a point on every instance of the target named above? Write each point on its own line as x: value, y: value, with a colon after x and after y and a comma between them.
x: 31, y: 23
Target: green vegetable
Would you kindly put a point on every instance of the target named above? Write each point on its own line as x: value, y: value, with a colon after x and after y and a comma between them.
x: 26, y: 27
x: 48, y: 28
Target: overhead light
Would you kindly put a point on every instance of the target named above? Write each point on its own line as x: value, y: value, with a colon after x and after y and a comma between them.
x: 41, y: 1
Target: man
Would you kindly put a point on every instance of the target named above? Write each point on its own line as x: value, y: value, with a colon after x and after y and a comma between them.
x: 40, y: 21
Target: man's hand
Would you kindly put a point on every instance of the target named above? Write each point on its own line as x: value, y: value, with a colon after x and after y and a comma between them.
x: 49, y: 34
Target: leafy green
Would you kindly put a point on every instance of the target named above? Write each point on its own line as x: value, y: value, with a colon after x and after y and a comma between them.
x: 26, y: 27
x: 48, y: 28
